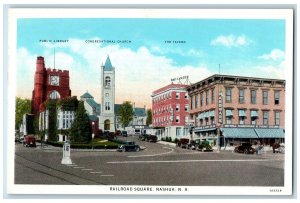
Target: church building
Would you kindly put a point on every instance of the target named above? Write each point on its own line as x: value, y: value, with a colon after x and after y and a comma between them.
x: 107, y: 111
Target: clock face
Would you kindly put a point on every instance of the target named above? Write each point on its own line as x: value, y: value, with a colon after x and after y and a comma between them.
x: 54, y: 80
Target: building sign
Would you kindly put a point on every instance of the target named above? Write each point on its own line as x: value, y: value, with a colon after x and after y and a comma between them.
x: 220, y: 109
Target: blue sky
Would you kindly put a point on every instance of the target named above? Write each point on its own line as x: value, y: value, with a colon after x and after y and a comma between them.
x: 241, y: 47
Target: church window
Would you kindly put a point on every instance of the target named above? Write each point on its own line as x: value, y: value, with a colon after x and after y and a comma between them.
x: 107, y: 82
x: 107, y: 106
x: 54, y: 95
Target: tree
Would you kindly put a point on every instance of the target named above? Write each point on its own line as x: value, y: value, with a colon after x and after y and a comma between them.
x: 22, y: 106
x: 149, y: 117
x: 126, y: 113
x: 81, y: 131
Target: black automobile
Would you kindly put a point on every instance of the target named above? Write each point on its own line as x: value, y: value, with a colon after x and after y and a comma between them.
x: 124, y: 133
x: 129, y: 146
x: 245, y: 148
x: 143, y: 137
x: 204, y: 146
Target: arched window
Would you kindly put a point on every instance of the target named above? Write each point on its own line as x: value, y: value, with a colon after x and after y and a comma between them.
x: 107, y: 82
x: 54, y: 95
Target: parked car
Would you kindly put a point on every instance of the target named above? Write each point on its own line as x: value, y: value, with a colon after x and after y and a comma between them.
x: 152, y: 138
x: 245, y: 148
x: 29, y: 141
x: 129, y: 146
x: 124, y: 133
x: 280, y: 148
x: 194, y: 144
x: 204, y: 146
x: 143, y: 137
x: 183, y: 143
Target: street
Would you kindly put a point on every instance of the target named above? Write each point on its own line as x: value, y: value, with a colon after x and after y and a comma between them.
x: 157, y: 164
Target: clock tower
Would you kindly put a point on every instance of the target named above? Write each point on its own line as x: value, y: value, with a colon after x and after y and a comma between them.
x: 107, y: 117
x: 48, y: 84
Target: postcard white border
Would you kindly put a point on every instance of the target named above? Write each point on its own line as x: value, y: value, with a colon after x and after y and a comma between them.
x: 15, y: 13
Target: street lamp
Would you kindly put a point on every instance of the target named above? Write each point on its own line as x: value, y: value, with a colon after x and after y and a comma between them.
x: 93, y: 134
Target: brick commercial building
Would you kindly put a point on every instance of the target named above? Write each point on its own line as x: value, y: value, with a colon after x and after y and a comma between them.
x: 170, y: 106
x: 230, y: 109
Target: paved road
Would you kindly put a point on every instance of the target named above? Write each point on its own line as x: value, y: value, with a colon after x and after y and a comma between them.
x: 156, y: 165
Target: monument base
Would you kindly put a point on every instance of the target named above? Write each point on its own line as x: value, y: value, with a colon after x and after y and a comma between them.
x: 66, y: 160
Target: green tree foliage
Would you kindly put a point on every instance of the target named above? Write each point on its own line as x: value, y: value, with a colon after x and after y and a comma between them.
x: 149, y: 117
x: 81, y: 131
x: 22, y: 106
x: 126, y: 113
x: 52, y: 129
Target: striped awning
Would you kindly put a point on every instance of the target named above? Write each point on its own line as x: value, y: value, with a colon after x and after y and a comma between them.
x: 239, y: 133
x: 228, y: 112
x: 270, y: 132
x: 212, y: 113
x: 254, y: 114
x: 242, y: 113
x: 197, y: 130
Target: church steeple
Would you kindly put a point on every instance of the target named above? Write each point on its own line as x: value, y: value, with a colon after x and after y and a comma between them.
x: 107, y: 65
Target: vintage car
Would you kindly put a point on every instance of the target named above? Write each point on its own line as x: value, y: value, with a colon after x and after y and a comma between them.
x: 152, y: 138
x: 204, y: 146
x: 143, y: 137
x: 183, y: 143
x: 29, y: 141
x: 129, y: 146
x: 245, y: 148
x: 278, y: 148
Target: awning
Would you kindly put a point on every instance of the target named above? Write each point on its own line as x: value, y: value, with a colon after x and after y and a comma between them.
x: 254, y: 114
x: 203, y: 129
x: 228, y: 112
x: 242, y: 113
x: 212, y: 113
x: 270, y: 132
x: 239, y: 133
x: 200, y: 116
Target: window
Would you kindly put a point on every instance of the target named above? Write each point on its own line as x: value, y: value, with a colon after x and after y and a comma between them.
x: 177, y: 95
x: 107, y: 106
x: 265, y: 117
x: 54, y: 95
x: 186, y: 108
x: 201, y: 99
x: 207, y: 97
x: 276, y: 97
x: 228, y: 94
x: 242, y: 116
x: 177, y: 119
x: 178, y: 129
x: 107, y: 82
x: 192, y: 99
x: 186, y: 95
x: 177, y: 108
x: 196, y: 101
x: 265, y: 97
x: 253, y: 96
x: 228, y: 116
x: 213, y: 96
x: 212, y: 120
x: 277, y: 118
x: 241, y: 96
x: 254, y: 117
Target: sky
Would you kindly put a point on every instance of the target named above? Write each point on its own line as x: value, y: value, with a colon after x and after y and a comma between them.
x: 148, y: 53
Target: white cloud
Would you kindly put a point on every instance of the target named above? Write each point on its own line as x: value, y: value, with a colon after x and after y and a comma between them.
x: 275, y: 54
x: 25, y: 72
x: 169, y: 50
x: 230, y: 41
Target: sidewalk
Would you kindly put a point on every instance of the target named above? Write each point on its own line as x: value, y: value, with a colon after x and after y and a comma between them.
x: 171, y: 144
